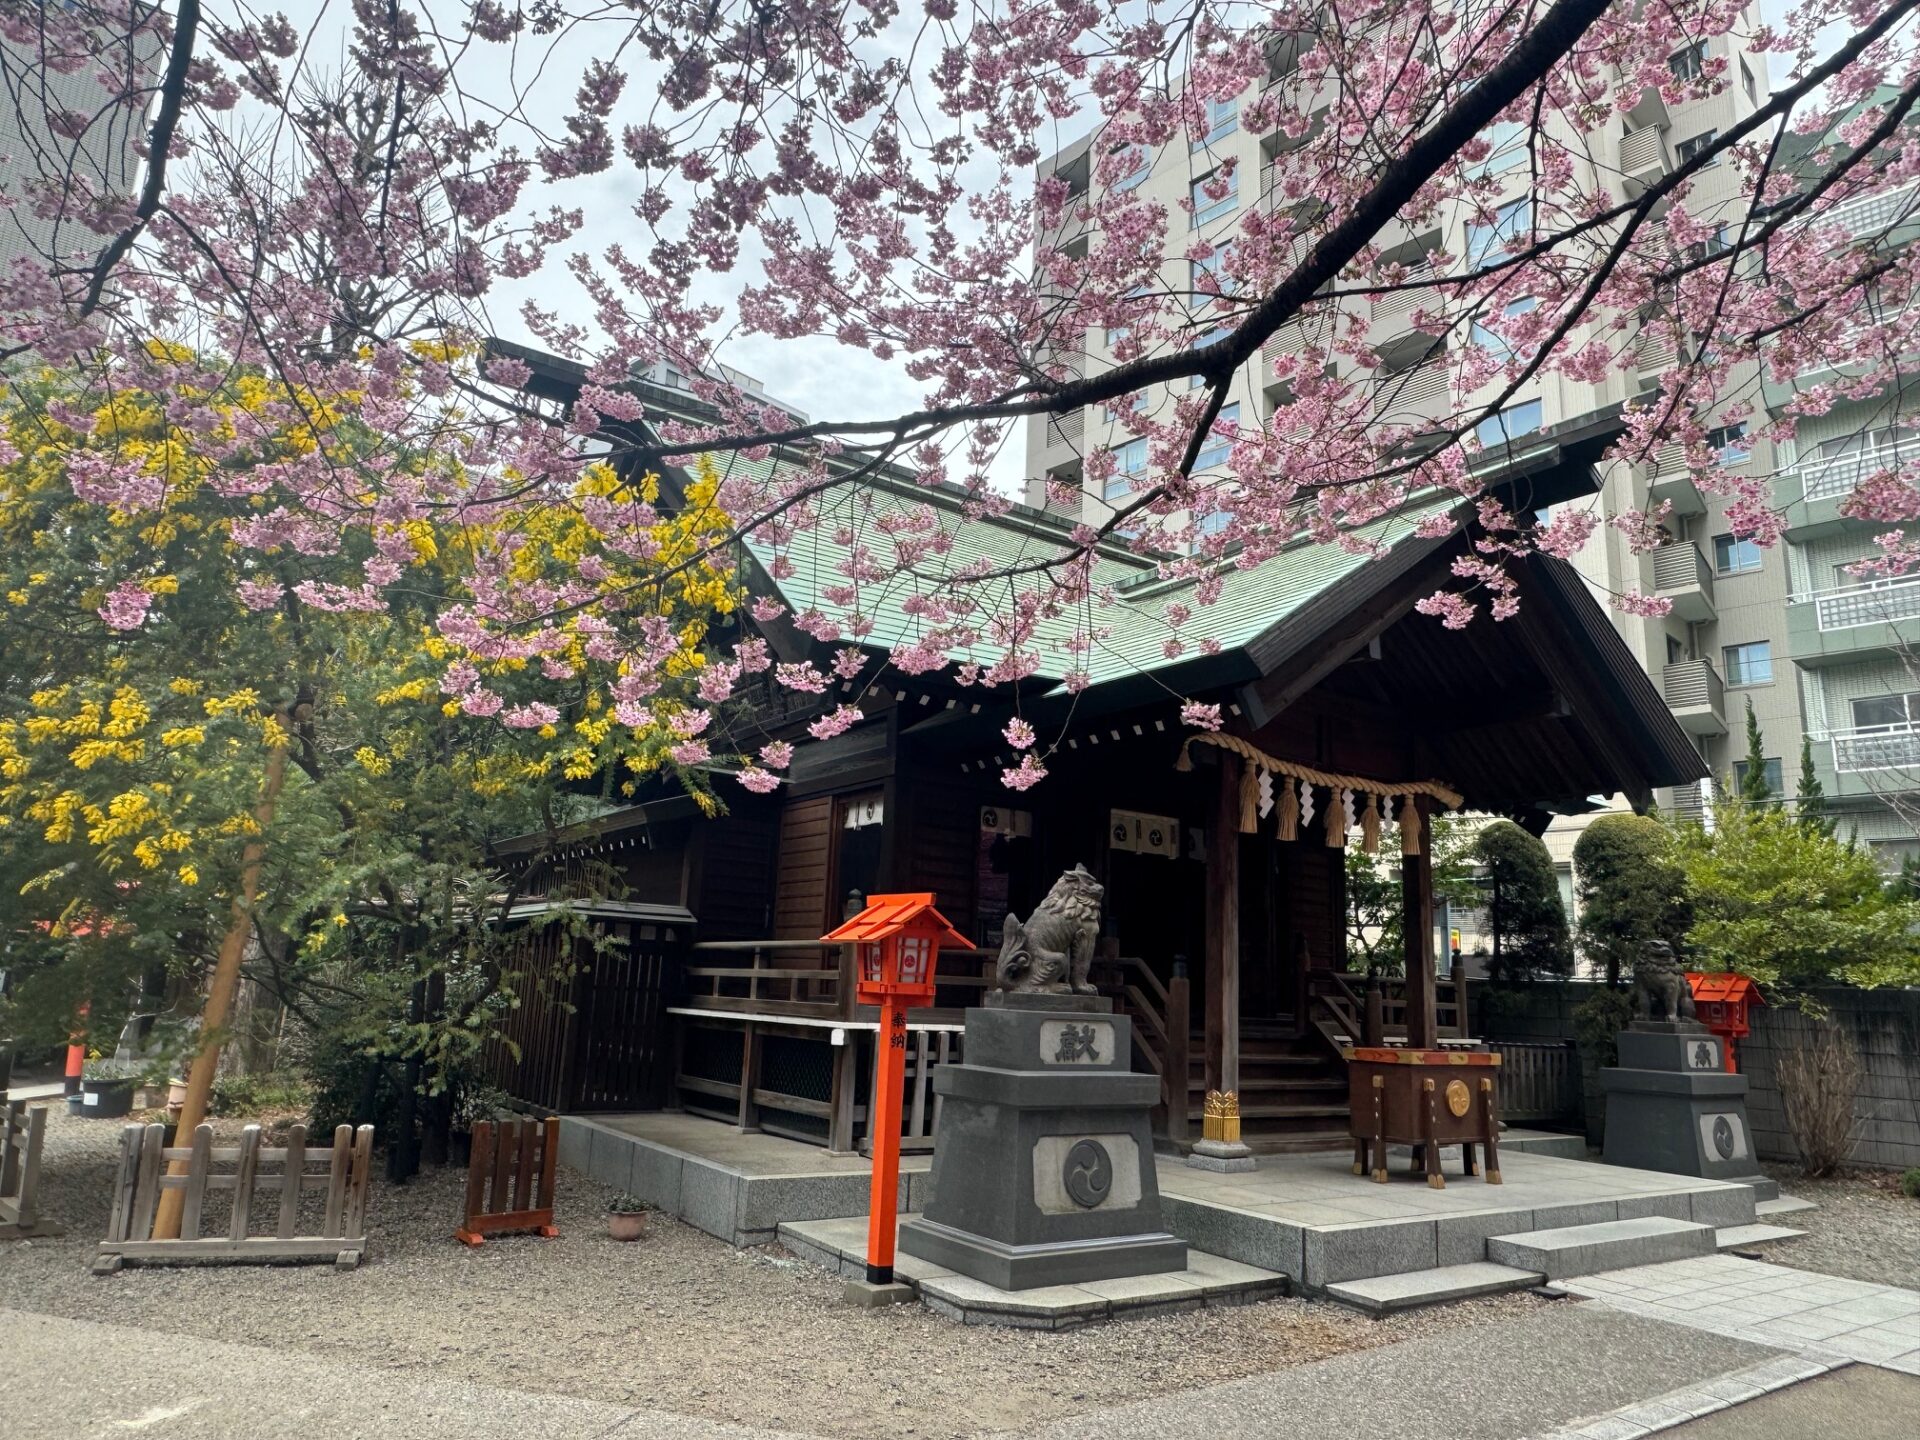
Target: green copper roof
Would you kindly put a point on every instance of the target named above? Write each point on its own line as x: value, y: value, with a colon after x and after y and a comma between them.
x: 1250, y: 603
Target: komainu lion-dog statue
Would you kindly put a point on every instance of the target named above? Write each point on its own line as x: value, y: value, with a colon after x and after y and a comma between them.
x: 1050, y: 951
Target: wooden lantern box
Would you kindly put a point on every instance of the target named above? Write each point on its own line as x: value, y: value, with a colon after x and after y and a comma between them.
x: 1424, y: 1098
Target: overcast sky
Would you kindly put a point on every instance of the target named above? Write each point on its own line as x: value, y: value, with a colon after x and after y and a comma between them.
x: 821, y: 377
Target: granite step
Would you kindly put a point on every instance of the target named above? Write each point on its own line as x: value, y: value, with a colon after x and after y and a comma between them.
x: 1783, y: 1205
x: 1610, y: 1245
x: 1386, y: 1294
x: 1764, y: 1187
x: 1733, y: 1237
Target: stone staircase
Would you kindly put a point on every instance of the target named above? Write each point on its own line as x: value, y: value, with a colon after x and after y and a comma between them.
x: 1535, y: 1257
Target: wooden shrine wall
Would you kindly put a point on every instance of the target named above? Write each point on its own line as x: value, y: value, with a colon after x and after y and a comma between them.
x: 803, y: 870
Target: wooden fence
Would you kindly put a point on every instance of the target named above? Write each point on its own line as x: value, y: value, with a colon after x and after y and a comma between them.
x: 145, y: 1158
x: 21, y: 1132
x: 510, y: 1178
x: 1539, y: 1082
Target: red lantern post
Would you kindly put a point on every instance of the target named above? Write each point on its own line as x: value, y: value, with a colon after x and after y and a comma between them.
x: 896, y: 941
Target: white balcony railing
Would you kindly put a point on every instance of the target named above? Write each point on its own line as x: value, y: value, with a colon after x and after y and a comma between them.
x: 1877, y: 602
x: 1876, y: 747
x: 1872, y: 214
x: 1841, y: 475
x: 1403, y: 302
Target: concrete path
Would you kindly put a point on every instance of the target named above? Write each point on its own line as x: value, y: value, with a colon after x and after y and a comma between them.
x: 1860, y: 1402
x: 1502, y: 1381
x: 1797, y: 1310
x: 76, y: 1377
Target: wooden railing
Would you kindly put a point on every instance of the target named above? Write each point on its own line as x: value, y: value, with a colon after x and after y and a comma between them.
x: 771, y: 977
x: 1341, y: 1003
x: 1539, y: 1081
x: 1162, y: 1028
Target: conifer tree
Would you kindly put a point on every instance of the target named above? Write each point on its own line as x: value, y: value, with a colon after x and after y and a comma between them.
x: 1810, y: 796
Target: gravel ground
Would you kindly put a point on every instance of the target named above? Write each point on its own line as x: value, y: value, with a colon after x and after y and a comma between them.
x: 679, y: 1321
x: 1865, y: 1229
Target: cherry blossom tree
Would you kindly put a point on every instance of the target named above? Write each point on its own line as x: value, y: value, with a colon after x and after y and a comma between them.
x: 342, y: 207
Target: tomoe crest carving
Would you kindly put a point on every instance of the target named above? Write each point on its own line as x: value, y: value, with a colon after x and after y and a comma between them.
x: 1088, y: 1173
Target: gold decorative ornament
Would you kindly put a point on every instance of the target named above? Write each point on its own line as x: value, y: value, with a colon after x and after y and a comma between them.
x: 1220, y: 1117
x: 1458, y: 1100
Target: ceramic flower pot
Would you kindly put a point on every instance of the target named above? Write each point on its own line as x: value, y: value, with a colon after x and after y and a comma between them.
x: 630, y: 1226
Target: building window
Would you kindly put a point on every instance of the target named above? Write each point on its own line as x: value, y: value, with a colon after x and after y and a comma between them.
x: 1715, y: 244
x: 1508, y: 139
x: 1688, y: 148
x: 1676, y: 652
x: 1769, y: 767
x: 1746, y: 84
x: 1880, y: 712
x: 1142, y: 161
x: 1510, y: 424
x: 1749, y: 664
x: 1209, y: 277
x: 1222, y: 119
x: 1487, y: 340
x: 1130, y: 462
x: 1510, y: 223
x: 1735, y: 555
x: 1729, y: 443
x: 1689, y: 62
x: 1210, y: 522
x: 1214, y: 449
x: 1205, y: 207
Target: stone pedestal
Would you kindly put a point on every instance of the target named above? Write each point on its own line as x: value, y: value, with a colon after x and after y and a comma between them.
x: 1671, y: 1105
x: 1043, y: 1168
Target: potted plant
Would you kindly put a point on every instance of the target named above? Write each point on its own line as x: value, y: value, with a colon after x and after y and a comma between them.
x: 627, y: 1217
x: 106, y: 1089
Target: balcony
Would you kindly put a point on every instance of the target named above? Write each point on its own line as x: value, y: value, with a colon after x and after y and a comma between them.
x: 1854, y: 622
x: 1812, y: 492
x: 1672, y: 483
x: 1394, y: 303
x: 1695, y: 695
x: 1420, y: 396
x: 1065, y: 432
x: 1890, y: 213
x: 1681, y: 575
x: 1876, y: 747
x: 1644, y: 160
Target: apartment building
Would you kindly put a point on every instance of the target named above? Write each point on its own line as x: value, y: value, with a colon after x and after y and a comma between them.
x: 1814, y: 651
x: 49, y: 173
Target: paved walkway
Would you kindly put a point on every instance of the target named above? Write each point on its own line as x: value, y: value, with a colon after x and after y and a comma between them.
x: 1770, y: 1305
x: 77, y: 1377
x: 1498, y: 1381
x: 1860, y: 1402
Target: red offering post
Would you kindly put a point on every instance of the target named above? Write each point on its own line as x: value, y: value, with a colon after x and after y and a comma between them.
x: 896, y: 941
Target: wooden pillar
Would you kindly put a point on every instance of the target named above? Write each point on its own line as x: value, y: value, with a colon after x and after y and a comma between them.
x: 1223, y: 931
x: 1416, y: 891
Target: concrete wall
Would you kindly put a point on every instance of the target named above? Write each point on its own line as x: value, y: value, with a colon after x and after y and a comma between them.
x: 1885, y: 1025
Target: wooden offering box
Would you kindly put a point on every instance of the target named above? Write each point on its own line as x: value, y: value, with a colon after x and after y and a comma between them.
x: 1424, y: 1098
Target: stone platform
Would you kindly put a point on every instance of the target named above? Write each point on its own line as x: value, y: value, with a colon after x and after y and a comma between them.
x: 1304, y: 1216
x: 1204, y: 1282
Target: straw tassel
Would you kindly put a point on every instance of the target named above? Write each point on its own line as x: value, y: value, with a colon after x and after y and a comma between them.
x: 1370, y: 826
x: 1249, y: 800
x: 1336, y: 823
x: 1409, y: 826
x: 1184, y: 761
x: 1289, y: 811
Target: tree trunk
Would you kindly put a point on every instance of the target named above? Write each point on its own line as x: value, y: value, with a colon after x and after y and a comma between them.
x: 220, y: 992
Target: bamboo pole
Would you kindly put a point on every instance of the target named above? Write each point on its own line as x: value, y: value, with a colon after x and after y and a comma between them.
x: 226, y: 980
